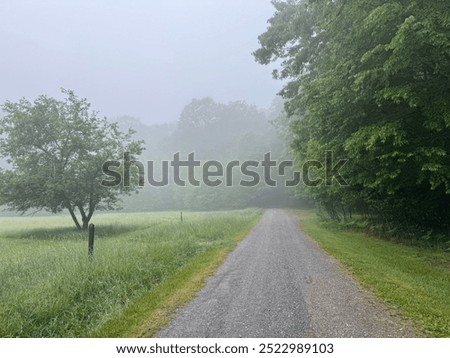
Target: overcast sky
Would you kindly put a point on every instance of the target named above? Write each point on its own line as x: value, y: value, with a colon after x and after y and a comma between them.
x: 141, y: 58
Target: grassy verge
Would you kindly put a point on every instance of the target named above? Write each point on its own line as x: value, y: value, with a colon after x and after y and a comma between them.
x: 414, y: 280
x: 49, y: 288
x: 153, y: 311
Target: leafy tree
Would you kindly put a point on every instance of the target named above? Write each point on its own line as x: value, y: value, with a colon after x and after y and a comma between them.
x: 370, y: 80
x: 215, y: 129
x: 56, y: 150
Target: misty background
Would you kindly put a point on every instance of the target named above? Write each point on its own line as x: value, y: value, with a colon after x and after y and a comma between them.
x: 181, y: 74
x: 144, y: 59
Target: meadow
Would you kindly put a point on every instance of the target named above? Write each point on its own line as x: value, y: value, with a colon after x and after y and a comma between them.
x: 50, y: 288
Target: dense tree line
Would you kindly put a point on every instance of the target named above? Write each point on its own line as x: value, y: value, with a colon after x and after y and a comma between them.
x: 369, y: 80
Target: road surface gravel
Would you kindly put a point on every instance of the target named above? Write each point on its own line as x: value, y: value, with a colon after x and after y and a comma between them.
x: 279, y: 283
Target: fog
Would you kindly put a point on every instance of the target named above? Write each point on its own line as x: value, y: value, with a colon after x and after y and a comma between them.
x: 181, y: 74
x: 145, y: 59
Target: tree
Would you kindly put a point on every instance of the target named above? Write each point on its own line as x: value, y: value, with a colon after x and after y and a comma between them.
x: 56, y: 150
x: 216, y: 129
x: 370, y: 81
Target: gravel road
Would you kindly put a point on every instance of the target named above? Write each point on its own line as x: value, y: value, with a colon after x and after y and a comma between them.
x: 279, y: 283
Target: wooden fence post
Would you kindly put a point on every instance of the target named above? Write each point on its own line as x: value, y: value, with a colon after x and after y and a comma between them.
x: 91, y: 240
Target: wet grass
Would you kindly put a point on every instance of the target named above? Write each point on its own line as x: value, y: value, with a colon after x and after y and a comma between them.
x: 49, y: 287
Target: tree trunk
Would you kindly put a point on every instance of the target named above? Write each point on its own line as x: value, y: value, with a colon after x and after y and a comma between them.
x: 85, y: 224
x: 74, y: 218
x: 84, y: 218
x: 344, y: 213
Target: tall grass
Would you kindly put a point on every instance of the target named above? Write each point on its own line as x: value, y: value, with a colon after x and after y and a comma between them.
x: 49, y: 287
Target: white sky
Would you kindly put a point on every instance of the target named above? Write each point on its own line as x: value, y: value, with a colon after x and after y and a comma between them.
x: 142, y: 58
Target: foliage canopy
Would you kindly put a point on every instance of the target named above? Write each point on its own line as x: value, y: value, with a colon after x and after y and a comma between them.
x: 369, y: 80
x: 56, y: 150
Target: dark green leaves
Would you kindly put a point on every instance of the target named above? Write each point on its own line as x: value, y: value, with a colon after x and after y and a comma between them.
x: 370, y: 80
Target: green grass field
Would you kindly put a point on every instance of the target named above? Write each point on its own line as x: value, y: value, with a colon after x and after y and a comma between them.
x: 49, y: 287
x: 415, y: 280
